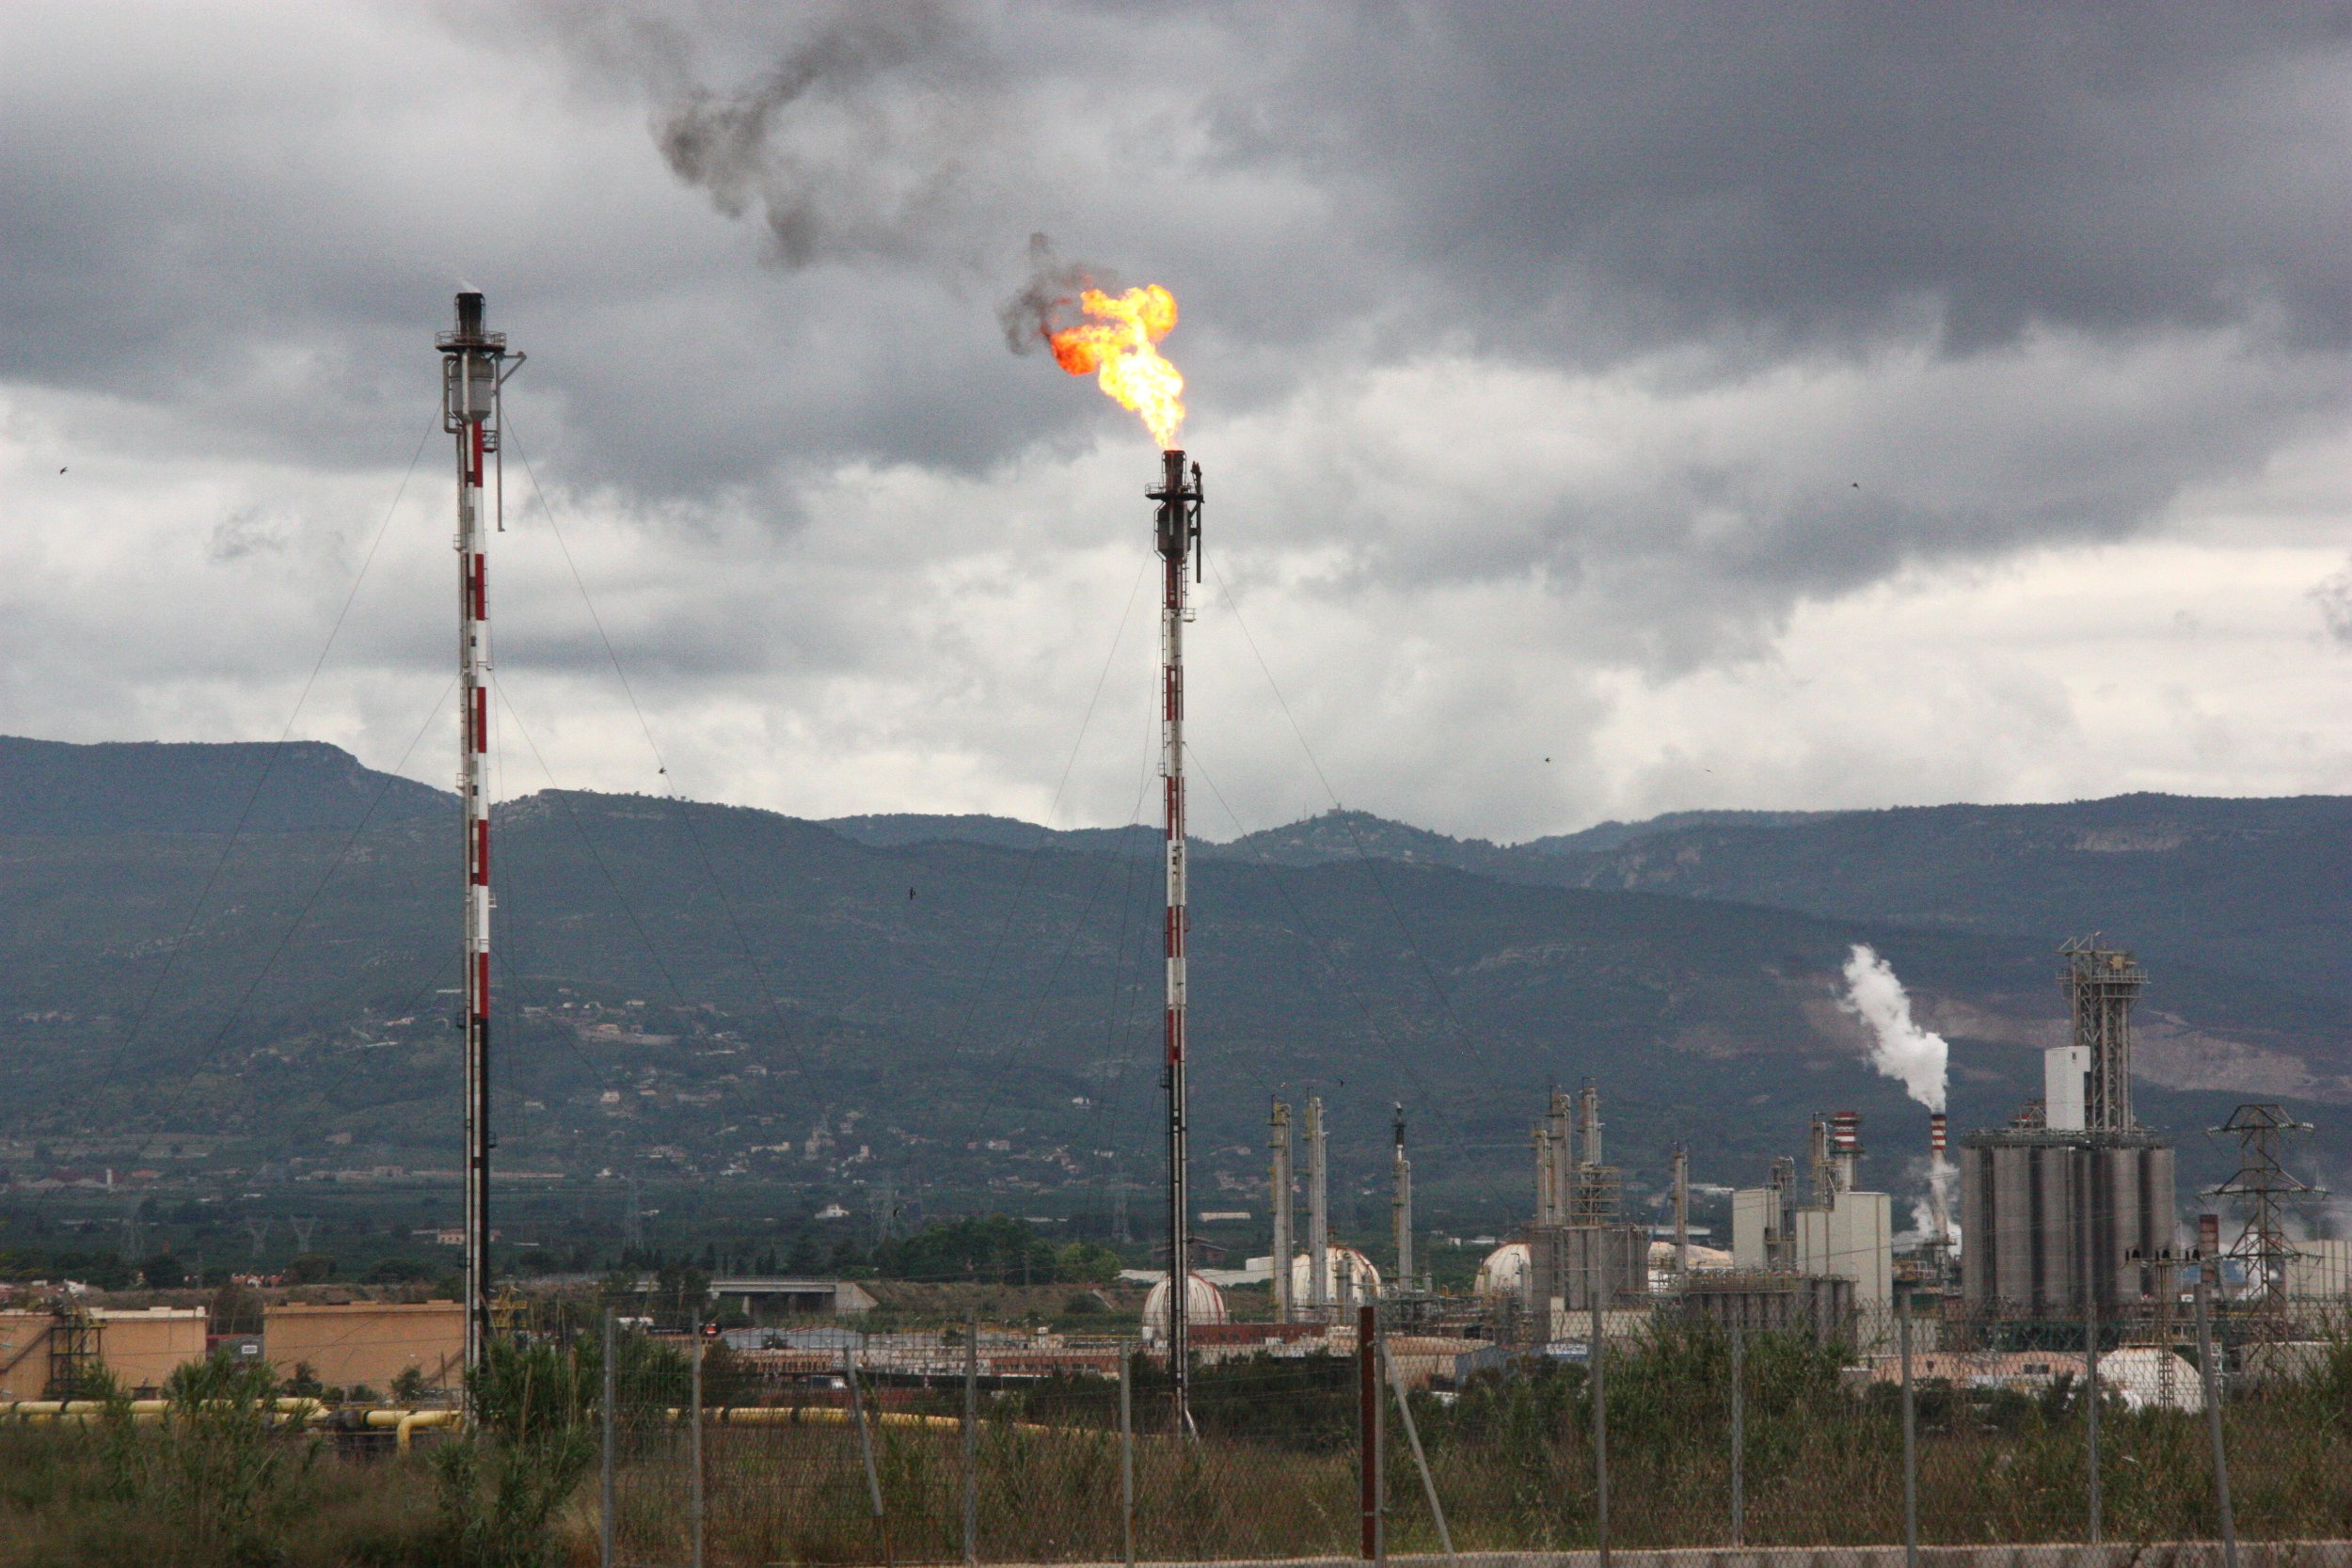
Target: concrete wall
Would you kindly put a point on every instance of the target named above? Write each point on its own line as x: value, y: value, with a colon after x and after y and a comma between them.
x: 2159, y: 1554
x: 1852, y: 1239
x: 144, y: 1346
x: 1754, y: 1210
x: 23, y: 1354
x: 141, y: 1347
x: 368, y: 1342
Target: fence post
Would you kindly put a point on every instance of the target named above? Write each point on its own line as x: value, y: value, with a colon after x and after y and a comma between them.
x: 1370, y: 1544
x: 1127, y: 1449
x: 1421, y: 1460
x: 1598, y: 1361
x: 972, y: 1438
x: 605, y: 1558
x: 866, y: 1450
x: 1910, y: 1444
x: 2209, y: 1374
x: 1738, y: 1433
x: 2090, y: 1384
x: 695, y: 1447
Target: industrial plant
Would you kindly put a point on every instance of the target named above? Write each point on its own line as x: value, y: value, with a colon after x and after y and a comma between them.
x: 2058, y: 1227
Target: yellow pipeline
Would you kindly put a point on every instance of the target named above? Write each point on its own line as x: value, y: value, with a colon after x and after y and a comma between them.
x: 83, y: 1412
x: 404, y: 1422
x: 832, y: 1415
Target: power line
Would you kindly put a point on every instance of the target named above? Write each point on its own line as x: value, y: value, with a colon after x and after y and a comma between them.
x: 269, y: 764
x: 661, y: 766
x: 220, y: 1036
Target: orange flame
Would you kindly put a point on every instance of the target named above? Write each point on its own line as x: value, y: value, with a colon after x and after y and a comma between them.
x: 1117, y: 344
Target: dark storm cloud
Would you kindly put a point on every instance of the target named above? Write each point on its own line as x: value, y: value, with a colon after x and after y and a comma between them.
x: 1332, y: 189
x: 1323, y: 181
x: 1644, y: 172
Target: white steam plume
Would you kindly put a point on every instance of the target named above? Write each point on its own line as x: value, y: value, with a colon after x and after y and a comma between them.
x: 1915, y: 1057
x: 1900, y: 1048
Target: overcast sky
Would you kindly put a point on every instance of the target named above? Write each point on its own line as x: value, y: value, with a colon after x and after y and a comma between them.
x: 1604, y: 409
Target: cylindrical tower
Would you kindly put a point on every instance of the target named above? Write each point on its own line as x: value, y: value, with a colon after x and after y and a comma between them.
x: 1176, y: 532
x: 1401, y: 1207
x: 1844, y: 1138
x: 1546, y: 1196
x: 473, y: 365
x: 1278, y: 1185
x: 1681, y: 1191
x: 1318, y: 1216
x: 1559, y: 1127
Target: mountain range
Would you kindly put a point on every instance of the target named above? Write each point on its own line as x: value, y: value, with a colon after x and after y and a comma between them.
x: 239, y: 963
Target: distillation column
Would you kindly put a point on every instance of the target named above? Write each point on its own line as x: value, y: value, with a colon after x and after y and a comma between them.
x: 1318, y: 1216
x: 1278, y: 1180
x: 1400, y: 1209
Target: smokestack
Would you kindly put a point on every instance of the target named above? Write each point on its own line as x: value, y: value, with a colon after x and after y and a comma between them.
x: 1400, y: 1209
x: 1846, y: 1148
x: 1547, y: 1184
x: 1588, y: 1106
x: 1176, y: 529
x: 1318, y: 1216
x: 1279, y: 1140
x: 473, y: 364
x: 1938, y: 1208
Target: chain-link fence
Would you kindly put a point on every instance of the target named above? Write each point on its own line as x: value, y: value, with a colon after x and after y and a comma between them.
x: 1388, y: 1430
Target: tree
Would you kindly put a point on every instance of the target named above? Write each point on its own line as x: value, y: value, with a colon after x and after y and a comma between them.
x: 533, y: 1439
x: 310, y: 1268
x: 998, y: 1250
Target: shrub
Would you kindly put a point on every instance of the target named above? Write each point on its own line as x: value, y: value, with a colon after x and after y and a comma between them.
x: 532, y: 1440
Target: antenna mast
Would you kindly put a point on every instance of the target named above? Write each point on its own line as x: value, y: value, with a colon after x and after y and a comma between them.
x: 473, y: 367
x: 1176, y: 532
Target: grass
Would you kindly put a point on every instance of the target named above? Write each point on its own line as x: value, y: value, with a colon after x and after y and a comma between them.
x: 1273, y: 1474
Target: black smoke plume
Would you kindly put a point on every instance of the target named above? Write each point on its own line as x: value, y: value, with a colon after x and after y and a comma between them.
x: 839, y: 156
x: 1049, y: 300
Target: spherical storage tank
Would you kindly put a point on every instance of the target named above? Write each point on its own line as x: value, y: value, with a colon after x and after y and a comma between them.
x: 1204, y: 1304
x: 1366, y: 1277
x: 1505, y: 1272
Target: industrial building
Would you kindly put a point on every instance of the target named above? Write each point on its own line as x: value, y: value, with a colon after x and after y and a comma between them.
x: 1840, y: 1231
x: 2073, y: 1201
x: 1777, y: 1301
x: 366, y: 1344
x: 1582, y: 1252
x: 42, y: 1352
x: 768, y: 1299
